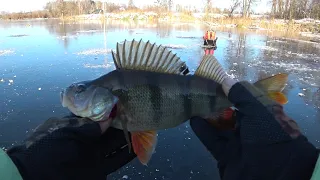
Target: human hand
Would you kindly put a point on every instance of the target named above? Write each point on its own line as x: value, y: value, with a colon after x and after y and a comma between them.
x: 71, y: 148
x: 264, y: 139
x: 257, y: 104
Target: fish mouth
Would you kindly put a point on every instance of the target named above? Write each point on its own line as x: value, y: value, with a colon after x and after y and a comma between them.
x: 63, y: 99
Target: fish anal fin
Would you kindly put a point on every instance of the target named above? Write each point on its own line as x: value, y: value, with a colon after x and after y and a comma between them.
x: 278, y: 97
x: 274, y: 83
x: 210, y: 68
x: 144, y: 143
x: 139, y: 55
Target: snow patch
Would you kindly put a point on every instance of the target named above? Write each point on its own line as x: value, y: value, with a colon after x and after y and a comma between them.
x: 65, y: 37
x: 94, y: 52
x: 5, y: 52
x: 175, y: 46
x: 88, y: 31
x: 94, y: 66
x: 267, y: 48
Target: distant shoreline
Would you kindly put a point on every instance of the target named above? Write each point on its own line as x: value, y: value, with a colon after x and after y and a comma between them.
x: 307, y: 28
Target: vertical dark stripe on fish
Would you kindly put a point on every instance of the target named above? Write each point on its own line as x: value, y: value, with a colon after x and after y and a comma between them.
x: 212, y: 100
x: 121, y: 78
x: 125, y: 97
x: 155, y: 98
x: 187, y: 96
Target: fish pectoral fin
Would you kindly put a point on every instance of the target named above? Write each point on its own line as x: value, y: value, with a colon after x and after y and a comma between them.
x: 278, y: 97
x: 139, y: 55
x: 126, y: 133
x: 210, y: 68
x: 144, y: 143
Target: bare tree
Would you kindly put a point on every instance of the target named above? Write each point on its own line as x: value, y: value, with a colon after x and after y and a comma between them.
x: 315, y: 9
x: 170, y: 4
x: 246, y: 7
x: 130, y: 4
x: 208, y: 6
x: 274, y: 8
x: 234, y: 5
x: 79, y: 7
x: 280, y: 8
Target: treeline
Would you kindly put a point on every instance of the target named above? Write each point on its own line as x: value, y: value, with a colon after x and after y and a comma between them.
x: 61, y: 8
x: 295, y: 9
x: 27, y: 15
x: 286, y: 9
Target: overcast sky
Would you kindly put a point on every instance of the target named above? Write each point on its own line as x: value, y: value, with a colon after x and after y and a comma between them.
x: 29, y: 5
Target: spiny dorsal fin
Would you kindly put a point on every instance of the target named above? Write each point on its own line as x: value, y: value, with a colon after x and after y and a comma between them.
x: 274, y: 83
x: 210, y: 68
x: 133, y: 55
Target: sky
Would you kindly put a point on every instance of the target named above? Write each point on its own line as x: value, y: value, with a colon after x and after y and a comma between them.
x: 30, y: 5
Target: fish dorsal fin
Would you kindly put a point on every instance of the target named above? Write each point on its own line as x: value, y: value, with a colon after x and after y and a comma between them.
x: 210, y: 68
x: 274, y: 83
x: 139, y: 55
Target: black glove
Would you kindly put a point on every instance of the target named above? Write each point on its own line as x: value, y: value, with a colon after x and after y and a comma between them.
x: 71, y: 148
x: 215, y: 43
x: 266, y: 143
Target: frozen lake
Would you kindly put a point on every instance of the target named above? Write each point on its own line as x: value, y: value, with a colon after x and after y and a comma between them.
x: 39, y: 58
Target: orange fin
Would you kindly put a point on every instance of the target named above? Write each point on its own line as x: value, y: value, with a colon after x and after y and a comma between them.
x: 279, y: 97
x: 144, y: 144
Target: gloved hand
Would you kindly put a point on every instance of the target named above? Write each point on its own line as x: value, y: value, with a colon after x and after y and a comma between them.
x: 265, y: 139
x: 71, y: 148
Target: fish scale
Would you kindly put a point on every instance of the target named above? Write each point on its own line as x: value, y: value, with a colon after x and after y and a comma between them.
x: 149, y: 92
x: 162, y: 103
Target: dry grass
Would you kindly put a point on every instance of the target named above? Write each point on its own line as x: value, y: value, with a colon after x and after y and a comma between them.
x: 27, y: 15
x: 289, y: 27
x: 135, y: 14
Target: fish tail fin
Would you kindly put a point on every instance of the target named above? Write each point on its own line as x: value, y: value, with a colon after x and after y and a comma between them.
x: 274, y: 86
x: 210, y: 68
x: 139, y: 55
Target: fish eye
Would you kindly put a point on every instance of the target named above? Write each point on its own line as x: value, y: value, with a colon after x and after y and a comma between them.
x: 80, y: 88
